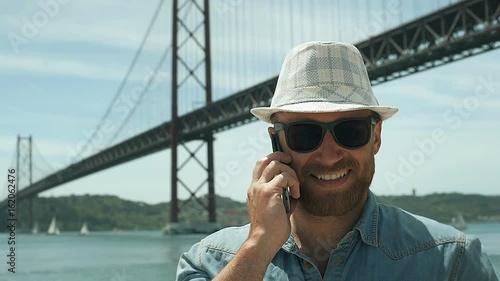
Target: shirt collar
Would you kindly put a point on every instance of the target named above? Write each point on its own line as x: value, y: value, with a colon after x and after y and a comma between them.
x: 368, y: 223
x: 289, y: 245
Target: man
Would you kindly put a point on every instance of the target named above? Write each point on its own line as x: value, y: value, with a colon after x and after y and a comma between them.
x: 328, y: 124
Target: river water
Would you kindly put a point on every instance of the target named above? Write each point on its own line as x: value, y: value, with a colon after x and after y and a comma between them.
x: 130, y: 256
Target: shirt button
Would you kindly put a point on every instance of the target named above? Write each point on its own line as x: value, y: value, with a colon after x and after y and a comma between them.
x: 338, y: 260
x: 307, y: 264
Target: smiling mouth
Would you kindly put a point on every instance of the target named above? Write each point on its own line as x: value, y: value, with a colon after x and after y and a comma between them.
x: 330, y: 177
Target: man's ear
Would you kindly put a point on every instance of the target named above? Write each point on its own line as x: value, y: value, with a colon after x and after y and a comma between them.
x: 377, y: 137
x: 274, y: 139
x: 271, y: 131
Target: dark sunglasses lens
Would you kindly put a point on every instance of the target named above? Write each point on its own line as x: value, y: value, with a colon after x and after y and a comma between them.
x: 304, y: 137
x: 352, y: 133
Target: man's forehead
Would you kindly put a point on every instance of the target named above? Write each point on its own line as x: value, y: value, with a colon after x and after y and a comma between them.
x: 287, y: 117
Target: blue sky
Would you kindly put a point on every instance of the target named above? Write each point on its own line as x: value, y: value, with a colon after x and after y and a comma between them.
x: 59, y: 80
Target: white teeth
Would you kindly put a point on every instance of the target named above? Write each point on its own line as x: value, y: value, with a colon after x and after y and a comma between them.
x: 331, y: 177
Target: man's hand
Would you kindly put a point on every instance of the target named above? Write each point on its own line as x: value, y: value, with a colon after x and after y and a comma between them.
x: 270, y: 224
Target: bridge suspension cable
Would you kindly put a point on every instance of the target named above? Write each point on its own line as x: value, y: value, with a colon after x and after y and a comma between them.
x: 125, y: 79
x: 42, y: 172
x: 146, y: 89
x: 39, y: 156
x: 150, y: 81
x: 13, y: 159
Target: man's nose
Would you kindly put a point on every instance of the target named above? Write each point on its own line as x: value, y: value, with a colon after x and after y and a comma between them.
x: 329, y: 152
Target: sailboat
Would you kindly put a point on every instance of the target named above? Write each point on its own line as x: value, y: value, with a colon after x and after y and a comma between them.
x: 35, y: 228
x: 53, y: 230
x: 84, y: 230
x: 458, y: 222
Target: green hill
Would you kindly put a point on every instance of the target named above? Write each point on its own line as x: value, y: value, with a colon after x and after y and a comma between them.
x: 443, y: 206
x: 103, y: 212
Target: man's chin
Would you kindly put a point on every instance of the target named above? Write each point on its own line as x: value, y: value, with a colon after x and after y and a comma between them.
x: 331, y: 202
x: 338, y: 197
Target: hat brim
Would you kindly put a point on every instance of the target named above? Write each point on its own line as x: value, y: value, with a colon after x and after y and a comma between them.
x: 265, y: 113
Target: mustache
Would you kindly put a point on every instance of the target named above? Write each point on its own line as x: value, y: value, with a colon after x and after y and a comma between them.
x: 318, y: 168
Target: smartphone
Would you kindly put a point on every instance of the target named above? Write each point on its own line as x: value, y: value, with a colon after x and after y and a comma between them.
x: 286, y: 191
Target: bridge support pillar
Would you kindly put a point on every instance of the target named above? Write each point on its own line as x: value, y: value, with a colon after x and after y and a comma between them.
x: 24, y: 171
x: 187, y: 75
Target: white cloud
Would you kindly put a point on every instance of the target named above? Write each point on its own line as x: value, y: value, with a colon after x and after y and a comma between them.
x: 49, y: 66
x: 7, y: 143
x: 439, y: 95
x: 112, y: 35
x: 107, y: 23
x: 43, y: 116
x: 463, y: 162
x: 43, y: 66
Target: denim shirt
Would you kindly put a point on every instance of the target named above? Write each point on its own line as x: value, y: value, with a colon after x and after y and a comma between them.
x: 387, y: 243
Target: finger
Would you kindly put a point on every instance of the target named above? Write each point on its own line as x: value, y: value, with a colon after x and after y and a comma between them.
x: 295, y: 187
x: 274, y: 168
x: 263, y: 162
x: 295, y: 191
x: 284, y: 180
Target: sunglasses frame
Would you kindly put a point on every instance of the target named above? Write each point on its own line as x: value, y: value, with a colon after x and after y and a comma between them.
x: 330, y: 126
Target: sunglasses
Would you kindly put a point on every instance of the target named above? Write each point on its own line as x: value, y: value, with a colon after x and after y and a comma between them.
x: 307, y: 136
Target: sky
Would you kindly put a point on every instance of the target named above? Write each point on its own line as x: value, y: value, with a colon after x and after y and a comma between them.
x: 61, y: 63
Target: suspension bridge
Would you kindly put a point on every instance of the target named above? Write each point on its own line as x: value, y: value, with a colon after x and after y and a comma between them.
x: 404, y: 46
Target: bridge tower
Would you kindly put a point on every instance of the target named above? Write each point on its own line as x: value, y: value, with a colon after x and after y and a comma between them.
x: 24, y: 171
x: 187, y: 69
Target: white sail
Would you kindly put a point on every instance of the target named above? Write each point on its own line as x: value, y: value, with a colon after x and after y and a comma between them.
x: 458, y: 222
x: 35, y: 228
x: 53, y: 230
x: 84, y: 230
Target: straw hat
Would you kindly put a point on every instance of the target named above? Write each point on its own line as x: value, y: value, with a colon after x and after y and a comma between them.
x: 319, y: 77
